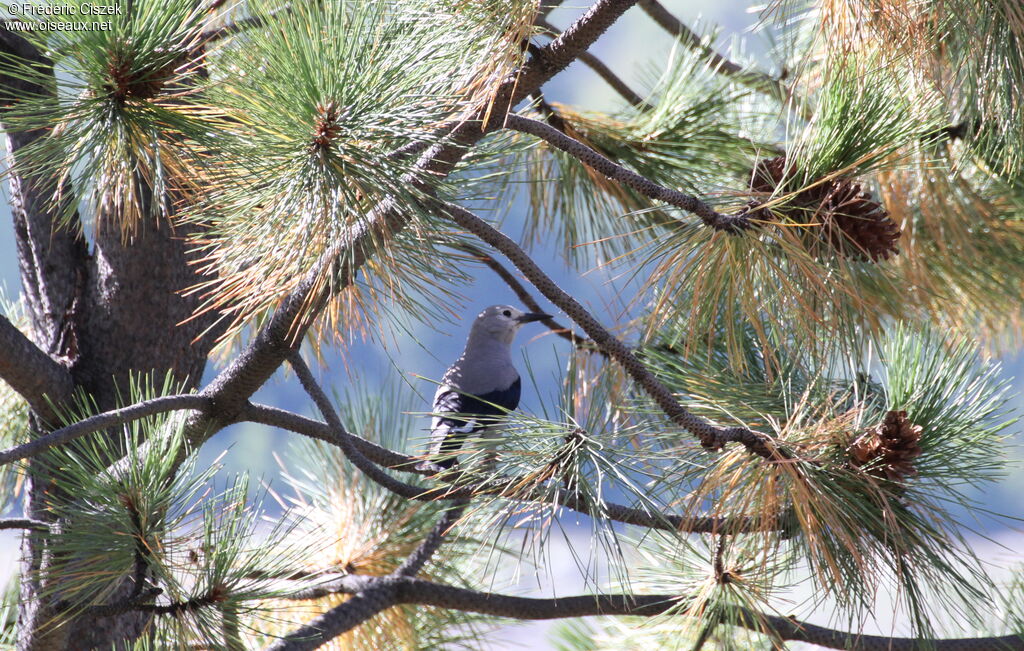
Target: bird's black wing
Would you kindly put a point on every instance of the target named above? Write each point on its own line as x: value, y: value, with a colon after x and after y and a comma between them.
x: 450, y: 429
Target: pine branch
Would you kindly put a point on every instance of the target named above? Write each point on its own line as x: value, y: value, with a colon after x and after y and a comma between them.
x: 416, y: 560
x: 603, y: 71
x: 229, y: 627
x: 142, y: 553
x: 361, y: 607
x: 751, y: 78
x: 32, y: 373
x: 212, y: 598
x: 418, y: 591
x: 573, y: 500
x: 506, y: 488
x: 240, y: 25
x: 616, y: 172
x: 236, y: 27
x: 320, y: 431
x: 407, y: 590
x: 613, y: 80
x: 711, y: 436
x: 551, y: 116
x: 570, y: 45
x: 357, y: 458
x: 343, y: 584
x: 107, y: 419
x: 134, y: 604
x: 677, y: 28
x: 24, y: 523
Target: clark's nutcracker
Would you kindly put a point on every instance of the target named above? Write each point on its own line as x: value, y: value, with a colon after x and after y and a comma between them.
x: 482, y: 383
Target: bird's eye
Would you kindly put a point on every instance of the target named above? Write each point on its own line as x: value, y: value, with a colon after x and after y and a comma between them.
x: 507, y: 313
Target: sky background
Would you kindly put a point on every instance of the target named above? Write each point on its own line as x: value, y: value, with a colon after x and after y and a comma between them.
x: 631, y: 46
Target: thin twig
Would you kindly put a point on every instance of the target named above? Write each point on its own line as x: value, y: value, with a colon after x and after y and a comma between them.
x: 711, y: 436
x: 236, y: 27
x: 545, y: 8
x: 345, y: 442
x: 551, y: 116
x: 125, y: 605
x: 229, y: 627
x: 525, y: 296
x: 677, y: 28
x: 615, y: 82
x: 107, y: 419
x: 336, y: 584
x: 751, y: 78
x: 603, y: 71
x: 616, y: 172
x: 291, y: 421
x: 141, y: 552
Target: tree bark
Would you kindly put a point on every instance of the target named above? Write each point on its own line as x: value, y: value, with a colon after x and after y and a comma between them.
x: 106, y: 316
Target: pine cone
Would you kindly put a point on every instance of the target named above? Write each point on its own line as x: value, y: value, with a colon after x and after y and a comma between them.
x: 856, y: 224
x: 852, y: 222
x: 327, y: 125
x: 889, y: 447
x: 767, y: 174
x: 127, y: 80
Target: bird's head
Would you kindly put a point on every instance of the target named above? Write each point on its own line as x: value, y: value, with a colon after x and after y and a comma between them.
x: 502, y: 322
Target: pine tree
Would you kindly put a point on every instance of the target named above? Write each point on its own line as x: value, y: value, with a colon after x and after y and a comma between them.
x: 824, y: 248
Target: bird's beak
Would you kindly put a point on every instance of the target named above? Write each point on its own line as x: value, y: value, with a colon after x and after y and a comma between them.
x: 529, y: 317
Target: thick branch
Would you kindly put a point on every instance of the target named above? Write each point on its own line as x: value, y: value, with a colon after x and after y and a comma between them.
x: 617, y: 172
x: 103, y: 421
x: 51, y: 248
x: 338, y: 620
x: 24, y: 523
x: 407, y: 590
x: 31, y: 372
x: 416, y: 560
x: 709, y: 435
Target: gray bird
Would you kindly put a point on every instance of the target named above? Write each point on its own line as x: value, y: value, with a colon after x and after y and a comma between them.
x: 482, y: 383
